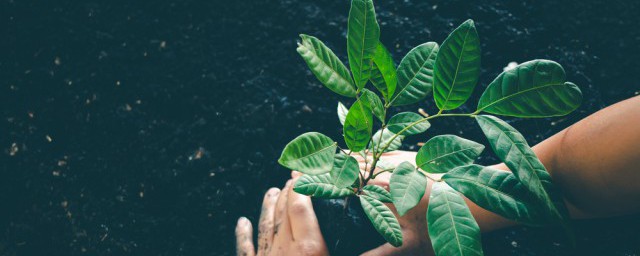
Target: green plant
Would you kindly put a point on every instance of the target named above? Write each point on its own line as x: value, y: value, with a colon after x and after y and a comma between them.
x: 533, y: 89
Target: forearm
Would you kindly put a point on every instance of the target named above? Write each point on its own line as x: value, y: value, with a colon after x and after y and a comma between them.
x: 596, y: 163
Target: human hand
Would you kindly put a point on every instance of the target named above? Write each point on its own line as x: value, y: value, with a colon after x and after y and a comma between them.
x: 288, y: 226
x: 413, y: 223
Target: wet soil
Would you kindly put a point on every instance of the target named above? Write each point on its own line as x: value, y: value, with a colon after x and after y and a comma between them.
x: 149, y: 127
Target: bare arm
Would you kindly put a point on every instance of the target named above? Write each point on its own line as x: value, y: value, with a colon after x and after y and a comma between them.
x: 596, y: 162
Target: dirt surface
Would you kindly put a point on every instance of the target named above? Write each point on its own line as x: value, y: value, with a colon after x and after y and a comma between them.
x: 149, y: 127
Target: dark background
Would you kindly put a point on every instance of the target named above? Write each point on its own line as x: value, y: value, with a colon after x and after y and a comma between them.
x: 149, y: 127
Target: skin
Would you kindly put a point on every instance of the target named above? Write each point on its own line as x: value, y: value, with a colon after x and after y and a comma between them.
x: 288, y: 226
x: 596, y: 163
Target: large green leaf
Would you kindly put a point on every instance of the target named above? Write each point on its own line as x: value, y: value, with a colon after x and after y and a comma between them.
x: 377, y: 143
x: 457, y: 67
x: 512, y: 148
x: 383, y: 75
x: 382, y: 219
x: 345, y: 170
x: 342, y: 112
x: 358, y: 125
x: 497, y: 191
x: 378, y: 193
x: 403, y: 120
x: 415, y: 74
x: 407, y: 187
x: 326, y: 66
x: 536, y: 88
x: 310, y: 153
x: 320, y: 186
x: 376, y: 104
x: 363, y: 34
x: 445, y: 152
x: 452, y: 228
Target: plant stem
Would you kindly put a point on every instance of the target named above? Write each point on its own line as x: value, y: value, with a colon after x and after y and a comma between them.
x: 428, y: 175
x: 417, y: 122
x: 376, y: 175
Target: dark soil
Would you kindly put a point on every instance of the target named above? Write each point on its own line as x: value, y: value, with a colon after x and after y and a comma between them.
x: 149, y: 127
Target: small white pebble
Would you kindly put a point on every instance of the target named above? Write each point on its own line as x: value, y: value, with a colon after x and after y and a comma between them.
x: 510, y: 66
x: 514, y: 244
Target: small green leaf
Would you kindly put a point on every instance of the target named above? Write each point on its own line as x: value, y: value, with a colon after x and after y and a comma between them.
x: 382, y: 219
x: 415, y: 74
x: 402, y: 120
x: 363, y: 34
x: 388, y: 166
x: 309, y: 153
x: 407, y: 187
x: 497, y: 191
x: 536, y: 88
x: 452, y: 228
x: 377, y: 143
x: 345, y: 170
x: 512, y: 148
x: 445, y: 152
x: 358, y: 125
x: 457, y: 67
x: 383, y: 75
x: 342, y: 112
x: 326, y: 66
x: 376, y: 104
x: 320, y: 186
x: 378, y: 193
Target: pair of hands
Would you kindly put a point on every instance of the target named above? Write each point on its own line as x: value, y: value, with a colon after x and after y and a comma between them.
x: 288, y: 224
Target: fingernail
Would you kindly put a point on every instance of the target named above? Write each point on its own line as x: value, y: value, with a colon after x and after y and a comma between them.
x: 273, y: 191
x: 242, y: 221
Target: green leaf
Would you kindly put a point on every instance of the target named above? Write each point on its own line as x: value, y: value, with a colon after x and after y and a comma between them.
x: 512, y: 148
x: 452, y: 228
x: 326, y: 66
x: 407, y: 187
x: 310, y: 153
x: 445, y: 152
x: 536, y: 88
x: 363, y: 35
x: 358, y: 125
x: 342, y: 112
x: 457, y: 67
x: 403, y: 120
x: 378, y: 193
x: 382, y: 219
x: 320, y: 186
x: 386, y: 165
x: 415, y: 74
x: 497, y: 191
x: 377, y: 143
x: 345, y: 170
x: 383, y: 75
x: 376, y: 104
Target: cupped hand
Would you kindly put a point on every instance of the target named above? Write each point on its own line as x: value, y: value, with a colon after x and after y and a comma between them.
x: 413, y: 223
x: 288, y: 226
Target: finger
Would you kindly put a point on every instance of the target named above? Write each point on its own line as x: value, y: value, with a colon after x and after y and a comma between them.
x: 295, y: 174
x: 244, y: 237
x: 304, y: 223
x: 267, y: 220
x: 282, y: 228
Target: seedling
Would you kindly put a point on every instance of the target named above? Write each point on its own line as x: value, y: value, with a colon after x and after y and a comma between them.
x: 449, y: 71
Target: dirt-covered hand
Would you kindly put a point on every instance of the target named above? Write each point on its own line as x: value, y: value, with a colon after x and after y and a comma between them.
x: 288, y: 226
